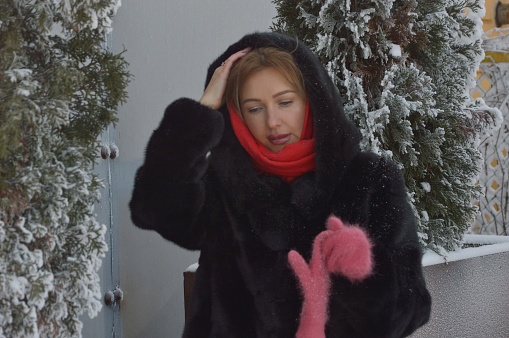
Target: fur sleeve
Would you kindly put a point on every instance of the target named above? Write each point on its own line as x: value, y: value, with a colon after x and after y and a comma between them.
x: 393, y: 301
x: 170, y: 192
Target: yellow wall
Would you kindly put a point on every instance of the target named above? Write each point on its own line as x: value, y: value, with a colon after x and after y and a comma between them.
x: 489, y: 19
x: 484, y: 84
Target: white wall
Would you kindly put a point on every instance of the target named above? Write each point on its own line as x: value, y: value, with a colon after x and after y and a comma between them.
x: 169, y: 47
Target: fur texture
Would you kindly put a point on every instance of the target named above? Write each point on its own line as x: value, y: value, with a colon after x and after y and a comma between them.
x: 245, y: 223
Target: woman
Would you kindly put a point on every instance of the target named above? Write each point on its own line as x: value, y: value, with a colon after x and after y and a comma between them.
x: 266, y: 168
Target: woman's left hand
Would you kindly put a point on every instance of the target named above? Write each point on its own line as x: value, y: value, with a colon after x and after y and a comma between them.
x: 213, y: 96
x: 347, y: 250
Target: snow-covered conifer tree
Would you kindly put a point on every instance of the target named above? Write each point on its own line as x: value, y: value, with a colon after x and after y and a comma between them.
x: 59, y: 88
x: 404, y: 68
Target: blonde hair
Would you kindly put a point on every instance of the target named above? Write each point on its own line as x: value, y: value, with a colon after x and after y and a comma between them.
x: 259, y: 59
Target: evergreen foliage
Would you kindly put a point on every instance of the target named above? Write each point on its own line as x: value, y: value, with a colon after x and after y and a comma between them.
x: 404, y: 68
x: 59, y: 89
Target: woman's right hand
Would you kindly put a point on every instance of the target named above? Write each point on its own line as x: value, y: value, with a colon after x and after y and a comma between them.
x: 213, y: 96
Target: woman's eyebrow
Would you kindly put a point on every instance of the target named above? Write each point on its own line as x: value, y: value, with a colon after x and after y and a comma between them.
x: 274, y: 96
x: 250, y: 99
x: 283, y: 92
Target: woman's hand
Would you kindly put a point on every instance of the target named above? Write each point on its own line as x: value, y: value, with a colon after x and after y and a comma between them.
x: 315, y: 283
x: 213, y: 96
x: 347, y: 250
x: 341, y: 249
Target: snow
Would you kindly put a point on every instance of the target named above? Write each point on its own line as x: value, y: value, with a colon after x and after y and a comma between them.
x: 425, y: 215
x: 23, y: 92
x: 426, y: 186
x: 491, y: 245
x: 395, y: 51
x: 18, y: 74
x: 192, y: 267
x: 98, y: 12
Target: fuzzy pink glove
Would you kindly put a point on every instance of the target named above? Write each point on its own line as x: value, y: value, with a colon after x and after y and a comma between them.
x: 347, y: 250
x: 341, y: 249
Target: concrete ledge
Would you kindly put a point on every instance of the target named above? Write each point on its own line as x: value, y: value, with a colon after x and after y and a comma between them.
x: 470, y: 290
x: 489, y: 245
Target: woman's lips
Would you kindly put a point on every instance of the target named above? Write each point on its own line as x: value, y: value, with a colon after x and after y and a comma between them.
x: 279, y: 139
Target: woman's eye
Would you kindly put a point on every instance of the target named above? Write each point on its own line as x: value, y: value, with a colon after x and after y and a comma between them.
x: 254, y: 110
x: 285, y: 103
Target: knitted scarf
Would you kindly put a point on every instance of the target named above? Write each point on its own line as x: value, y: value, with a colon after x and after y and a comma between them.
x: 291, y: 162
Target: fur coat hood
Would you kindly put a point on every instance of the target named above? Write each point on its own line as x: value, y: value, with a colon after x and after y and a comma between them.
x: 332, y: 129
x: 337, y: 143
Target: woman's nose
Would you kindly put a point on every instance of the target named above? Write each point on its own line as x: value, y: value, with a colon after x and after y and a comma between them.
x: 273, y: 118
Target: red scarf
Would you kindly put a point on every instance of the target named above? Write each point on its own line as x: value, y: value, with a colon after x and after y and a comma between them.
x: 291, y: 162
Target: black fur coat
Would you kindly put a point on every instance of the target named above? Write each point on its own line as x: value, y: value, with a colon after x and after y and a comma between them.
x: 245, y: 223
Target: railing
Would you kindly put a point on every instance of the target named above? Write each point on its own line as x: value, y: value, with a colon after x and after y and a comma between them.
x: 493, y: 88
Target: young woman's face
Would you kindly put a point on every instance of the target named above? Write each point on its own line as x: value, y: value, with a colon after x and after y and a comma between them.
x: 272, y: 109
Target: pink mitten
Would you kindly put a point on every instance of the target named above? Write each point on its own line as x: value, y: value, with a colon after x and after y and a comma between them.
x: 347, y: 251
x: 341, y: 249
x: 315, y: 283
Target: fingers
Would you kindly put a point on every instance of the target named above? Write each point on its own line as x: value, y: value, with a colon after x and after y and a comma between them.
x: 228, y: 63
x: 317, y: 261
x: 348, y: 252
x: 213, y: 96
x: 334, y: 223
x: 299, y: 266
